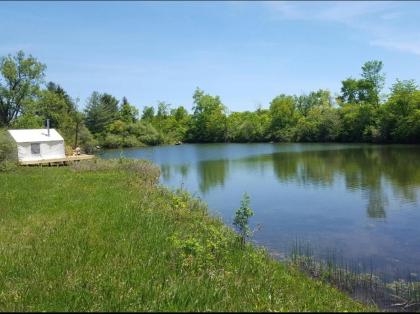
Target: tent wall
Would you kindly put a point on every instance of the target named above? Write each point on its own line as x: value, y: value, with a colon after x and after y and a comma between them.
x: 48, y: 150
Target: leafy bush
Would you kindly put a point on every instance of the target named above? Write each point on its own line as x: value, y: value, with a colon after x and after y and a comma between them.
x: 147, y: 134
x: 113, y: 141
x: 132, y: 141
x: 86, y: 140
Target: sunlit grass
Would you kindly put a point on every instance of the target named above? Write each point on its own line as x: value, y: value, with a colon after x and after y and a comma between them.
x: 108, y: 239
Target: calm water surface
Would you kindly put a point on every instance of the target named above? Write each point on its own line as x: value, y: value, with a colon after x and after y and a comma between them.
x: 361, y: 201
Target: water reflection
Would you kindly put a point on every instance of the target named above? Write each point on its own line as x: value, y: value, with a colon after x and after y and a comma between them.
x: 168, y: 171
x: 212, y: 173
x: 365, y: 169
x: 376, y: 204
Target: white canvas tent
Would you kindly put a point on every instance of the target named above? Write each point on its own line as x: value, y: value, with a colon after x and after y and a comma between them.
x: 38, y: 144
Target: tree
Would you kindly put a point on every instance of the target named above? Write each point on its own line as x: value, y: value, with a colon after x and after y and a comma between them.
x: 58, y: 90
x: 110, y: 105
x: 248, y: 126
x: 101, y: 111
x: 78, y: 118
x: 180, y: 113
x: 360, y: 100
x: 128, y: 113
x: 371, y: 72
x: 359, y: 123
x: 283, y: 117
x: 21, y: 77
x: 148, y: 113
x: 367, y: 89
x: 163, y: 110
x: 356, y: 91
x: 54, y: 104
x: 321, y: 124
x: 319, y: 98
x: 400, y: 119
x: 180, y: 121
x: 208, y: 122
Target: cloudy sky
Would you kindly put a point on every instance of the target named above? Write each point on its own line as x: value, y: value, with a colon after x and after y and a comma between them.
x: 245, y: 52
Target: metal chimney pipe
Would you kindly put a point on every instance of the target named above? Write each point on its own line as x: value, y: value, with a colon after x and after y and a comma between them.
x: 48, y: 127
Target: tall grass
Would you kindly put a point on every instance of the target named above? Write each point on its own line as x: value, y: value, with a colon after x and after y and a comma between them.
x: 106, y: 237
x: 360, y: 281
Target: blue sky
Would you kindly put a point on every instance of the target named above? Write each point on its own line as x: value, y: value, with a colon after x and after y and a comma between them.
x: 245, y: 52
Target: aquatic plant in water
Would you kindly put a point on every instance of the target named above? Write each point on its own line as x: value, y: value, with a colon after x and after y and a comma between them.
x: 368, y: 287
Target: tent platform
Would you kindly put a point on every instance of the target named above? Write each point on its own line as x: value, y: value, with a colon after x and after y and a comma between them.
x: 57, y: 161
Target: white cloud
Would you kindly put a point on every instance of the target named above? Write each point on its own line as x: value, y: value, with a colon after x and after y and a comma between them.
x: 347, y: 12
x: 406, y: 46
x: 381, y: 21
x: 342, y: 12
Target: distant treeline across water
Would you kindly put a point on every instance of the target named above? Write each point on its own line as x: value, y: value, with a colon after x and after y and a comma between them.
x: 360, y: 113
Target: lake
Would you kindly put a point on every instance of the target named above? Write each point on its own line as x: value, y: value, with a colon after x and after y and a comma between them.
x: 359, y: 201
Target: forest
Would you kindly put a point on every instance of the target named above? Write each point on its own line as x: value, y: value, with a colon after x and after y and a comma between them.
x: 362, y: 112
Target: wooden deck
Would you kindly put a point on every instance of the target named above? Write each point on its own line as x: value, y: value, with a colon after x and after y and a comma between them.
x: 58, y: 161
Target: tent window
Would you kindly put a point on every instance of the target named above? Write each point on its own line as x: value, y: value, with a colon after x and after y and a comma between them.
x: 35, y: 148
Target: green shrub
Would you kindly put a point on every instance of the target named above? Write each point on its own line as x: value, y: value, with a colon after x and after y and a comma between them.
x: 242, y: 216
x: 132, y: 141
x: 113, y: 141
x: 86, y: 140
x: 147, y: 134
x: 8, y: 152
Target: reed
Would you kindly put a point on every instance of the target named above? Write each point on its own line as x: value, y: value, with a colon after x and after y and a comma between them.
x: 359, y: 280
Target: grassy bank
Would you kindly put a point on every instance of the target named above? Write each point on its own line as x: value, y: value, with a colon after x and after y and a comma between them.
x: 106, y: 237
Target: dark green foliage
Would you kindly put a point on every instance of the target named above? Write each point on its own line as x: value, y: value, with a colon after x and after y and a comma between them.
x: 356, y: 91
x: 101, y: 110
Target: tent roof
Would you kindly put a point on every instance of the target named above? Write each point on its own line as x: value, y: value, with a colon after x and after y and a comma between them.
x: 35, y: 135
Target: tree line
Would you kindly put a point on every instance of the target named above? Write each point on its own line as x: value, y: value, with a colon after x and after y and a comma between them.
x: 360, y: 113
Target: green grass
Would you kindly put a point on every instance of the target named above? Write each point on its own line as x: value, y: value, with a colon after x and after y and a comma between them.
x: 109, y: 239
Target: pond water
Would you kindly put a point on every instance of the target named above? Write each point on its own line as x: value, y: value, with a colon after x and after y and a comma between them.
x: 360, y: 201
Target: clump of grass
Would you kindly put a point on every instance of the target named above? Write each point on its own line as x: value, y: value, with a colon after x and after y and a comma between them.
x: 143, y: 169
x: 100, y: 237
